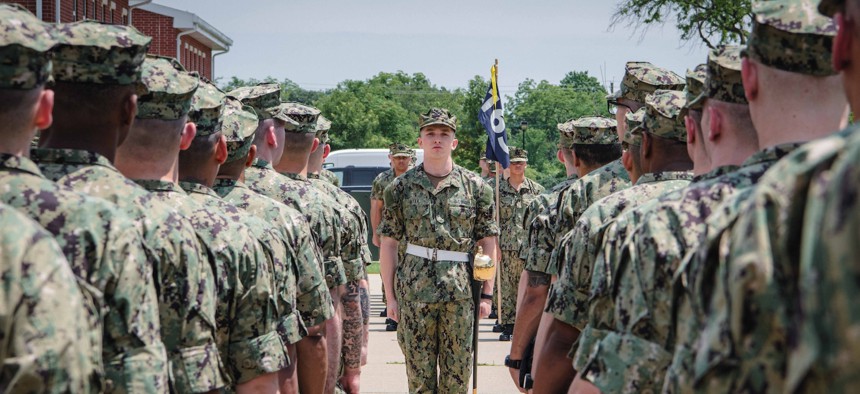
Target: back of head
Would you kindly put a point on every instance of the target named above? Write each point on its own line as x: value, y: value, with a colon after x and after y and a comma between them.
x: 724, y: 91
x: 237, y: 123
x: 665, y: 129
x: 300, y: 130
x: 206, y: 106
x: 22, y: 79
x: 594, y: 140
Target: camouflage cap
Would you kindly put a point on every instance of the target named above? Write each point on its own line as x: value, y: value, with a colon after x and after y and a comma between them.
x: 830, y: 7
x: 165, y: 89
x: 695, y: 87
x: 491, y: 165
x: 300, y: 118
x: 635, y: 119
x: 25, y: 45
x: 724, y: 77
x: 92, y: 52
x: 402, y: 150
x: 518, y: 155
x: 662, y: 110
x: 237, y: 124
x: 438, y: 116
x: 323, y: 126
x: 595, y: 131
x: 206, y: 107
x: 789, y: 35
x: 483, y: 157
x: 643, y: 78
x: 264, y: 98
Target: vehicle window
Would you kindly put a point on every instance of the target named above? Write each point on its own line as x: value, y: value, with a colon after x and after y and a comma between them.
x: 364, y: 176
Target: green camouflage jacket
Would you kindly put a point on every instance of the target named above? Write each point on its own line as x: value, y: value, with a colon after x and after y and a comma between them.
x: 330, y: 177
x: 452, y: 216
x: 358, y: 222
x: 570, y: 296
x: 245, y: 312
x: 107, y: 255
x: 278, y: 259
x: 512, y: 210
x: 380, y: 183
x: 313, y: 300
x: 573, y: 201
x: 319, y: 210
x: 40, y: 314
x: 647, y: 244
x: 696, y: 283
x: 185, y: 296
x: 538, y: 220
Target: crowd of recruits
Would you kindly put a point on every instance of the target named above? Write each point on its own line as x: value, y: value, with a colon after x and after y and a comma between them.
x: 164, y: 236
x: 718, y: 253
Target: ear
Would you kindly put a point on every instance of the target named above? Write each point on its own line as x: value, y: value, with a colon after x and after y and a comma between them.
x: 271, y: 139
x: 559, y: 156
x: 716, y: 124
x: 627, y: 161
x: 577, y: 163
x: 316, y: 145
x: 749, y: 77
x: 221, y: 150
x: 842, y: 43
x: 188, y: 133
x: 44, y: 111
x: 129, y: 110
x: 690, y: 125
x: 645, y: 148
x: 454, y: 144
x: 326, y: 150
x: 420, y: 142
x: 252, y: 154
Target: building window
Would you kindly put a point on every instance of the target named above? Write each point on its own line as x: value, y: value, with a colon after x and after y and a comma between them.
x: 124, y: 16
x: 112, y: 11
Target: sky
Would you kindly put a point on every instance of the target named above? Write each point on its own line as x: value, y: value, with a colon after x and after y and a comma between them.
x: 318, y: 43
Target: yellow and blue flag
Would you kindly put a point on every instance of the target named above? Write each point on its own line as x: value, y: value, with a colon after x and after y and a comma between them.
x: 491, y: 117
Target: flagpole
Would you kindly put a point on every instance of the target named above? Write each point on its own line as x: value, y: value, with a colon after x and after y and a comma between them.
x: 498, y: 221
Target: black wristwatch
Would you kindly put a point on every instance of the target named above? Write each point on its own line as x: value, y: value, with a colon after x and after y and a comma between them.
x: 515, y: 364
x: 486, y: 296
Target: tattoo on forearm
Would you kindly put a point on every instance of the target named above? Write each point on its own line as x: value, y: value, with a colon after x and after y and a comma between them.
x: 538, y: 279
x: 352, y: 326
x: 364, y: 297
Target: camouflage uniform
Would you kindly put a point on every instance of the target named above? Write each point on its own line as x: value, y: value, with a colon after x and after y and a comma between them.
x: 185, y: 292
x: 646, y: 245
x: 747, y: 284
x: 512, y: 207
x: 102, y: 245
x: 40, y: 314
x: 574, y: 200
x: 579, y: 250
x: 436, y: 308
x: 245, y: 312
x: 329, y: 177
x: 313, y: 300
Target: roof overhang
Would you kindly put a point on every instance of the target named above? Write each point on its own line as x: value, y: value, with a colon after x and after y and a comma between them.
x: 187, y: 21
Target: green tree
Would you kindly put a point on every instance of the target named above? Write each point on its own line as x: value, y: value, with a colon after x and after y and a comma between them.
x: 291, y: 91
x: 580, y: 80
x: 713, y: 22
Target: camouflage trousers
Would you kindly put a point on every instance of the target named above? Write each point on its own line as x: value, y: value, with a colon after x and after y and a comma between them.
x: 512, y: 269
x: 437, y: 335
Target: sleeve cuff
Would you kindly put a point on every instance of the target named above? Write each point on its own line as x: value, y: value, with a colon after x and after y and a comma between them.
x: 142, y: 369
x: 315, y: 306
x: 257, y: 356
x: 197, y: 369
x: 292, y: 329
x: 626, y: 363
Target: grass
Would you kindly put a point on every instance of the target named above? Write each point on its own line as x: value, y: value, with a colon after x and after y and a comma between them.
x: 373, y: 268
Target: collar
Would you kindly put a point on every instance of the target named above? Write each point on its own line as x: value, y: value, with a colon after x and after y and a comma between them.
x: 715, y: 173
x: 157, y: 185
x: 260, y: 163
x: 424, y: 180
x: 664, y: 176
x: 197, y: 188
x: 19, y: 163
x: 772, y: 154
x: 297, y: 177
x: 70, y: 156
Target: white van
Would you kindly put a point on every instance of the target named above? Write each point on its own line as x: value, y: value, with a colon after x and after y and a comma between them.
x: 363, y: 158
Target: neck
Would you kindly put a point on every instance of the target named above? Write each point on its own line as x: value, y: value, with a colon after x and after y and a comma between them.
x: 136, y: 168
x: 669, y: 164
x: 103, y: 143
x: 398, y: 173
x: 733, y: 153
x: 289, y: 166
x: 15, y: 148
x: 206, y: 178
x: 797, y: 122
x: 516, y: 180
x: 439, y: 167
x: 314, y: 169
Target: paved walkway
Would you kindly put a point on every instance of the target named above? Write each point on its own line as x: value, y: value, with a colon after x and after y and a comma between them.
x: 386, y: 373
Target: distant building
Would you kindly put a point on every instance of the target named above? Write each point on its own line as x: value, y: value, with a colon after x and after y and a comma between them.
x: 175, y: 33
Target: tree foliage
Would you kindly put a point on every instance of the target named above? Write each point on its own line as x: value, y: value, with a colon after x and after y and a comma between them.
x: 713, y: 22
x: 385, y: 108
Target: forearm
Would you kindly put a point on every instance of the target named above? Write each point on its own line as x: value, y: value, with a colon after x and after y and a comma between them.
x: 556, y: 370
x: 334, y: 339
x: 267, y: 383
x: 288, y: 380
x: 490, y: 247
x: 352, y: 327
x: 529, y: 311
x: 364, y: 295
x: 312, y: 369
x: 387, y: 265
x: 375, y: 214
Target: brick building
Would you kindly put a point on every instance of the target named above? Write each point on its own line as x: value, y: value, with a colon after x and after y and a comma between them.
x: 175, y: 33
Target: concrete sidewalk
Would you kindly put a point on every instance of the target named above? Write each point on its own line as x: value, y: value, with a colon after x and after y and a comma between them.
x: 385, y: 371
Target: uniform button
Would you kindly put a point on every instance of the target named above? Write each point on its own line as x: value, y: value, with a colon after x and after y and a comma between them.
x: 329, y: 278
x: 440, y: 219
x: 315, y: 313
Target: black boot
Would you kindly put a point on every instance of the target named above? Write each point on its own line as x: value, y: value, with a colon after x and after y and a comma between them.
x: 498, y: 327
x: 384, y: 313
x: 391, y: 325
x: 507, y: 333
x: 493, y: 314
